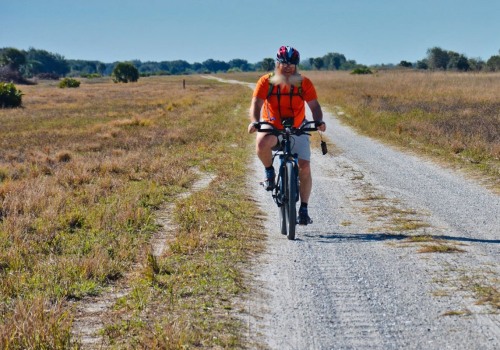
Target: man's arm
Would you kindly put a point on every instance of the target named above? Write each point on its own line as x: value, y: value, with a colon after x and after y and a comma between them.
x: 317, y: 113
x: 255, y: 108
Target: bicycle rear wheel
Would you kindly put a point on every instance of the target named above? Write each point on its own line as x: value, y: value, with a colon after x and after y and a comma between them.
x: 290, y: 199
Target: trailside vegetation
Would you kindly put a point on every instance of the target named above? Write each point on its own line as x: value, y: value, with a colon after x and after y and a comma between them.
x: 10, y: 96
x: 83, y: 178
x: 69, y: 83
x: 450, y: 115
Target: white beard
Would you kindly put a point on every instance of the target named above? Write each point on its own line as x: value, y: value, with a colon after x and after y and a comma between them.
x: 282, y: 80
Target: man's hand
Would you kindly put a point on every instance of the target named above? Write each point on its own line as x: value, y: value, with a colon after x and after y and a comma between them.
x: 321, y: 126
x: 252, y: 127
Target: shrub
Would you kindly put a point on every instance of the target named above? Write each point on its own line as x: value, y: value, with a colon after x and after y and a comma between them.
x: 9, y: 75
x: 9, y: 95
x: 48, y: 76
x: 125, y: 72
x: 362, y: 70
x: 69, y: 83
x: 90, y: 75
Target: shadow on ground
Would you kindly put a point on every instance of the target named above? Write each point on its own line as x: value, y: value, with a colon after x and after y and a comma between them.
x: 377, y: 237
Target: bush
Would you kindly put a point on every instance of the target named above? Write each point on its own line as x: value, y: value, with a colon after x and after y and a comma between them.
x: 125, y: 72
x: 90, y: 75
x: 9, y: 95
x: 9, y: 75
x: 362, y: 70
x: 48, y: 76
x: 69, y: 83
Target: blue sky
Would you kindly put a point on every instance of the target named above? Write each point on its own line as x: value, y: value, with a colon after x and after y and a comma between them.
x: 368, y: 31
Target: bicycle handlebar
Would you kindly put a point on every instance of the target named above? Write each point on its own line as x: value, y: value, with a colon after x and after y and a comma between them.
x: 303, y: 129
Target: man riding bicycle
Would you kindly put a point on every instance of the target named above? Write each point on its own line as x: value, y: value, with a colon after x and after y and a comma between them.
x: 278, y: 96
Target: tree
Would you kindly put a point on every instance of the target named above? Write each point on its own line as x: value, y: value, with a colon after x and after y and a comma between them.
x: 12, y: 57
x: 241, y: 64
x: 476, y: 64
x: 457, y: 61
x: 405, y: 64
x: 125, y: 72
x: 493, y: 63
x: 41, y: 61
x: 216, y: 66
x: 437, y: 58
x: 318, y: 63
x: 267, y: 64
x: 423, y: 64
x: 334, y: 60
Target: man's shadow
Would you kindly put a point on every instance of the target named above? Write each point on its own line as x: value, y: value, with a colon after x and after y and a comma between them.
x: 336, y: 237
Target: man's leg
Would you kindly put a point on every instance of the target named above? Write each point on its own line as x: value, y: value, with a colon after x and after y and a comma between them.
x: 305, y: 190
x: 263, y: 145
x: 305, y: 180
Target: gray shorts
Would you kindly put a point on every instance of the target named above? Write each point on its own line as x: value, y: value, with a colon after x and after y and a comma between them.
x: 300, y: 145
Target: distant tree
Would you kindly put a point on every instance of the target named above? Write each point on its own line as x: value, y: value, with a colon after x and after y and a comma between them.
x: 179, y: 66
x: 405, y: 64
x: 349, y: 65
x: 493, y: 63
x: 148, y: 68
x: 457, y: 61
x: 216, y: 66
x: 437, y: 58
x: 125, y: 72
x: 423, y: 64
x: 41, y: 61
x: 241, y: 64
x: 318, y: 63
x: 12, y: 57
x: 101, y: 68
x: 334, y: 60
x: 197, y: 67
x: 267, y: 64
x: 476, y: 64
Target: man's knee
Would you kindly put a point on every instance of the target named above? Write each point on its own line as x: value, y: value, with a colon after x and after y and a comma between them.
x: 266, y: 142
x: 305, y: 166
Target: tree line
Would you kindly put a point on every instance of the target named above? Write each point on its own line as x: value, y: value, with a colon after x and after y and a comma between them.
x: 440, y: 59
x: 18, y: 65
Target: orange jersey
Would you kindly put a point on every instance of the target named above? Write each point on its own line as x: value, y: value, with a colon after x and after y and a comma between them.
x: 281, y: 104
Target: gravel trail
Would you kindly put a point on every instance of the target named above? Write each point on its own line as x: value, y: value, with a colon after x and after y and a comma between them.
x: 355, y: 280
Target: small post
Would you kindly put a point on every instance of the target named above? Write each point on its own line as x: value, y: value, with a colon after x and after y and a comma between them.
x: 183, y: 83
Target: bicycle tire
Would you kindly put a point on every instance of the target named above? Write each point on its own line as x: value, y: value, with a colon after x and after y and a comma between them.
x: 281, y: 198
x: 290, y: 199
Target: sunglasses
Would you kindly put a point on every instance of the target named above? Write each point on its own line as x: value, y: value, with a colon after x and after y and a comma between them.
x: 284, y: 64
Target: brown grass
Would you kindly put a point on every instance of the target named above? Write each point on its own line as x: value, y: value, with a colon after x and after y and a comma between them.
x: 82, y: 172
x: 454, y: 115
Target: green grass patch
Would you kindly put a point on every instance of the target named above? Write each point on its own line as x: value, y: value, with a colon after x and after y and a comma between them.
x: 440, y: 248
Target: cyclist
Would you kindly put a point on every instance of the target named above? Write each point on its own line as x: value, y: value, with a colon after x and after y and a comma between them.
x: 278, y: 96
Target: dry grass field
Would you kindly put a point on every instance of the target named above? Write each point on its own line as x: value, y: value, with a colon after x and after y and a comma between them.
x: 83, y: 173
x: 455, y: 116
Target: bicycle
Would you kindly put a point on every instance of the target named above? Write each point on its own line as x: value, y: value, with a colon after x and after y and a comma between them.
x: 286, y: 191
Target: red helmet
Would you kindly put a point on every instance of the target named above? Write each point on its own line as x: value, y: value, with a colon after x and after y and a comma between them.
x: 287, y: 54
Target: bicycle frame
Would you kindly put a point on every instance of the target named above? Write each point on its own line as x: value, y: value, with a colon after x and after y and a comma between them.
x: 286, y: 191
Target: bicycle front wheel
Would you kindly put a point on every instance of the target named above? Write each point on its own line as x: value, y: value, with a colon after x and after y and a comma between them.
x: 290, y: 199
x: 281, y: 185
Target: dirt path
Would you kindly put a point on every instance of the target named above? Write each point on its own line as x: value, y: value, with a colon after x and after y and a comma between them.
x: 356, y: 279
